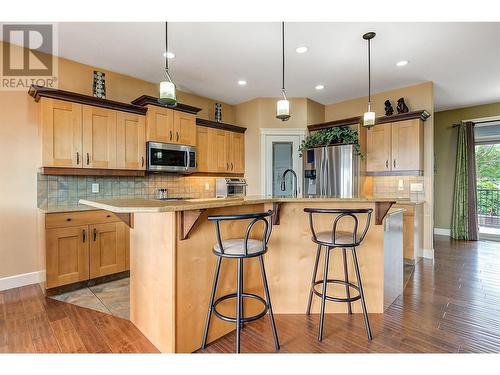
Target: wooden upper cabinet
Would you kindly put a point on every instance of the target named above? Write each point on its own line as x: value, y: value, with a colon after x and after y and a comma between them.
x: 109, y: 245
x: 61, y: 130
x: 378, y: 148
x: 160, y: 124
x: 99, y: 137
x: 67, y: 255
x: 203, y: 149
x: 184, y: 128
x: 219, y: 141
x: 130, y: 141
x: 238, y: 153
x: 407, y: 145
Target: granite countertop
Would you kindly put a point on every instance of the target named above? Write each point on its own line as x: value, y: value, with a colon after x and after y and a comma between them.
x: 79, y: 207
x: 136, y: 205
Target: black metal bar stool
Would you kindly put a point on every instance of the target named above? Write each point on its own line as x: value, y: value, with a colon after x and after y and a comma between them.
x: 240, y: 249
x: 343, y: 240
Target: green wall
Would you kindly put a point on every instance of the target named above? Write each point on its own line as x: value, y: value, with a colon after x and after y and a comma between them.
x: 445, y: 149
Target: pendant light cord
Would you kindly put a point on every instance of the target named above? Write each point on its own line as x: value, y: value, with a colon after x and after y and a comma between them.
x: 369, y: 73
x: 283, y: 55
x: 166, y: 46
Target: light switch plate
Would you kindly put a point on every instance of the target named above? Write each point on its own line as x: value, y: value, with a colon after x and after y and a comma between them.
x: 417, y: 187
x: 401, y: 184
x: 95, y: 188
x: 207, y: 186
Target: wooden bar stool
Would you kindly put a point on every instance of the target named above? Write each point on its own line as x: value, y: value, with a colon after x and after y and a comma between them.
x: 240, y: 249
x: 342, y: 240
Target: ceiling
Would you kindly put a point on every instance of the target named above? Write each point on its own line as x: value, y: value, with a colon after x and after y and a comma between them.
x: 462, y: 59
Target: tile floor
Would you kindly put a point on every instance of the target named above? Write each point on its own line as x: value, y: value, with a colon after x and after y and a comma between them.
x: 111, y: 298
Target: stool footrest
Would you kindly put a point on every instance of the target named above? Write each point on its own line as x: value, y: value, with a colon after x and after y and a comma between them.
x: 243, y: 319
x: 337, y: 299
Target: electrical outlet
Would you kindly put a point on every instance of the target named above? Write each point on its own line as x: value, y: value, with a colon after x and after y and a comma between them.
x: 401, y: 184
x: 95, y: 188
x: 207, y: 186
x: 417, y: 187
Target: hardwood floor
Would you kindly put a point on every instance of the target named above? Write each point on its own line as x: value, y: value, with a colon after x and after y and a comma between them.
x: 31, y: 323
x: 449, y: 305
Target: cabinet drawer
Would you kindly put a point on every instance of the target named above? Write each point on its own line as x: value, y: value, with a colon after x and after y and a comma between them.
x: 71, y: 219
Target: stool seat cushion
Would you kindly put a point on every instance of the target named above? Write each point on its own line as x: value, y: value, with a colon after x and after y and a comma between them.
x: 237, y: 247
x: 341, y: 237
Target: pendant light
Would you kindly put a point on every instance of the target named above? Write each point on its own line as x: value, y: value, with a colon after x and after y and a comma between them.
x: 167, y: 87
x: 369, y: 116
x: 283, y: 105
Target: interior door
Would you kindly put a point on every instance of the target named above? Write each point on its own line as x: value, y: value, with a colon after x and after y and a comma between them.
x: 67, y: 253
x: 131, y: 141
x: 99, y: 137
x: 108, y: 248
x: 282, y: 153
x: 378, y: 148
x: 61, y: 133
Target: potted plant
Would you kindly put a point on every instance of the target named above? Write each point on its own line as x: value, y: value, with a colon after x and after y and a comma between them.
x: 339, y: 135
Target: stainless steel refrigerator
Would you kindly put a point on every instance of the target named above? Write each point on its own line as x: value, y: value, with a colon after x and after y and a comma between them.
x: 331, y: 171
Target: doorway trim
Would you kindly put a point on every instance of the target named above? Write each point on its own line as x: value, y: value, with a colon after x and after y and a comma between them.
x: 267, y: 133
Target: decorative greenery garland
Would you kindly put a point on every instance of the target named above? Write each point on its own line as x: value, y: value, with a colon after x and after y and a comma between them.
x: 336, y: 135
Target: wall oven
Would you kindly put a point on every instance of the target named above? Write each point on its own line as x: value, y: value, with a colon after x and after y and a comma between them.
x: 166, y: 157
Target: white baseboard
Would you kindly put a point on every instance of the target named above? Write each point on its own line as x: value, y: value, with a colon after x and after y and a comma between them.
x: 23, y: 279
x: 442, y: 231
x: 428, y: 253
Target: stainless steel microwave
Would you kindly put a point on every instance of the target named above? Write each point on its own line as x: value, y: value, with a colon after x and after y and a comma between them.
x: 166, y: 157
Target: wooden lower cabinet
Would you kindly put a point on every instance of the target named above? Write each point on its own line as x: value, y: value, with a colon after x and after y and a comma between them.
x: 67, y: 255
x: 108, y: 248
x: 84, y: 245
x: 412, y: 231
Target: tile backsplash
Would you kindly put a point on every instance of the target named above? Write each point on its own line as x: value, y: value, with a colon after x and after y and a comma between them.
x: 61, y: 191
x: 388, y: 187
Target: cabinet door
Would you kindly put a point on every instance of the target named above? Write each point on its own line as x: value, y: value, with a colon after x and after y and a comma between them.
x: 108, y: 248
x: 184, y: 128
x: 238, y: 153
x: 99, y: 137
x: 61, y: 129
x: 203, y: 149
x: 159, y: 124
x: 219, y: 142
x: 131, y: 141
x: 378, y: 148
x: 67, y: 253
x: 407, y: 145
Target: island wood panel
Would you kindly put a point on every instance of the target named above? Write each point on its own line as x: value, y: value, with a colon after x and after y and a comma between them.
x: 412, y: 231
x: 99, y: 137
x: 61, y: 133
x: 153, y: 278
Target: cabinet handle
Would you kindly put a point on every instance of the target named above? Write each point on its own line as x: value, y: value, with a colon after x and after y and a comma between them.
x: 227, y: 166
x: 95, y: 234
x: 142, y: 161
x: 83, y: 235
x: 77, y: 158
x: 177, y: 136
x: 387, y: 164
x: 394, y: 163
x: 231, y: 166
x: 88, y: 158
x: 170, y: 134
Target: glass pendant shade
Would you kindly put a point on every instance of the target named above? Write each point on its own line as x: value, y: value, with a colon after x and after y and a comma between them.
x: 283, y: 109
x: 369, y: 119
x: 167, y: 93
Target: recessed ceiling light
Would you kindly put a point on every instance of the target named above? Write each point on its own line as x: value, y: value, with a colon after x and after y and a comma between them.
x: 242, y: 82
x: 302, y: 49
x: 402, y: 63
x: 319, y: 87
x: 169, y: 55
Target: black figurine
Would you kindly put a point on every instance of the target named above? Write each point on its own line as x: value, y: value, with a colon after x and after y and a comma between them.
x: 402, y: 107
x: 388, y: 108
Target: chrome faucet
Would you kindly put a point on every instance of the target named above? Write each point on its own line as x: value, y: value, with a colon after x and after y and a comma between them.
x: 283, y: 182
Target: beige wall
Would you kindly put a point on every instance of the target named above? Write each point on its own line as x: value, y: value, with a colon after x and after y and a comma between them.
x: 260, y: 113
x: 21, y: 157
x: 445, y: 145
x: 417, y: 97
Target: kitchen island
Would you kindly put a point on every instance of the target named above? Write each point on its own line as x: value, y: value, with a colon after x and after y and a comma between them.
x: 172, y: 264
